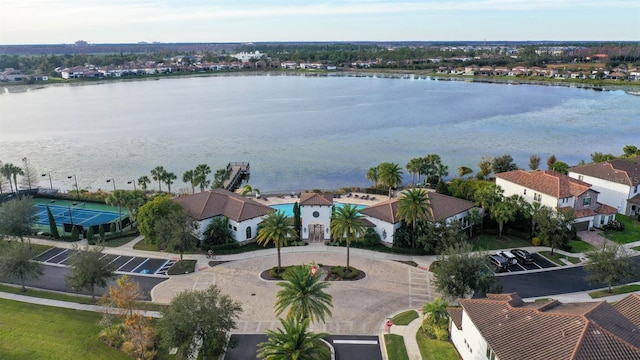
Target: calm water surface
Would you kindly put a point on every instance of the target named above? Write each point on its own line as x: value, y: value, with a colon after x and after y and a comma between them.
x: 302, y: 132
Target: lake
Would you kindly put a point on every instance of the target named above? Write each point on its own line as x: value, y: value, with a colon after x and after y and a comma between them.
x: 302, y: 132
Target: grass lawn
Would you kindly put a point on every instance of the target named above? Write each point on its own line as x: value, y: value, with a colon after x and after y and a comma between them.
x: 182, y: 267
x: 37, y: 248
x: 32, y: 331
x: 119, y: 241
x: 557, y: 256
x: 395, y: 347
x: 615, y: 291
x: 404, y: 318
x: 579, y: 246
x: 432, y: 349
x: 631, y: 231
x: 636, y: 248
x: 491, y: 242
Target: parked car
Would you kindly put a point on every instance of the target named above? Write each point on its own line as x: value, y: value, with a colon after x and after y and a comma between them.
x: 499, y: 262
x: 524, y: 257
x: 511, y: 259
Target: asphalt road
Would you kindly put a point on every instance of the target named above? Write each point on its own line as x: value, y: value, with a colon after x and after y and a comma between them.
x: 245, y: 347
x: 54, y: 279
x: 553, y: 282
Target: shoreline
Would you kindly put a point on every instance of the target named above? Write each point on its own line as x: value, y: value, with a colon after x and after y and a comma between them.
x: 627, y: 87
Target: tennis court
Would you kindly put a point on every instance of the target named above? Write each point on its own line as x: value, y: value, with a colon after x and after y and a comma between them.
x: 74, y: 215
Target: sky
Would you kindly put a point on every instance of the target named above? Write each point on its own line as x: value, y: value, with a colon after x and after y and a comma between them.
x: 121, y: 21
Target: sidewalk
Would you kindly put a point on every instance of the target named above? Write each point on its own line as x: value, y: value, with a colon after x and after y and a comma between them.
x: 408, y: 332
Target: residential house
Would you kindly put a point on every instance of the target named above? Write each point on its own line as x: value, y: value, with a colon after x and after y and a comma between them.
x: 617, y: 181
x: 384, y: 215
x: 558, y: 191
x: 504, y: 327
x: 244, y: 214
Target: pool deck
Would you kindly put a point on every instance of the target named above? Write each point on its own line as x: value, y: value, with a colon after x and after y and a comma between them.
x: 359, y: 200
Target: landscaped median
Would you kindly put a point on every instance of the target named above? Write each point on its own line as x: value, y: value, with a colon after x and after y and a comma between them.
x: 625, y: 289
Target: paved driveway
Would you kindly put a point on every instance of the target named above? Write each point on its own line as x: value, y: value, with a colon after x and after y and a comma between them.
x: 359, y: 307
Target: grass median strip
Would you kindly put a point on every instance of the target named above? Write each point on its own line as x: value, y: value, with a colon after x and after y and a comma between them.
x: 404, y: 318
x: 395, y: 347
x: 615, y: 291
x: 432, y: 349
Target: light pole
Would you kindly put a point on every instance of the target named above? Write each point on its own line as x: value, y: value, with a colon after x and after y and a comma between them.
x: 132, y: 182
x: 50, y: 183
x: 112, y: 180
x: 77, y: 188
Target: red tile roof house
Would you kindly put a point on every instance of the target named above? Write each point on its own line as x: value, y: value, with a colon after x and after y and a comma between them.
x: 558, y: 191
x: 244, y: 214
x: 504, y: 327
x: 618, y: 182
x: 384, y: 215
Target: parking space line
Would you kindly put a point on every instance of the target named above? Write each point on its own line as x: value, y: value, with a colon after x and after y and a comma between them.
x: 160, y: 268
x: 58, y: 254
x: 123, y: 265
x: 539, y: 267
x: 111, y: 262
x: 142, y: 263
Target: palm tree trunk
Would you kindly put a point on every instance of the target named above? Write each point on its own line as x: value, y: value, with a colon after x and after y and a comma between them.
x: 500, y: 224
x: 347, y: 269
x: 159, y: 186
x: 279, y: 265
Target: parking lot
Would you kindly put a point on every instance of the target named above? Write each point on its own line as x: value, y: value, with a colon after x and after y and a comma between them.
x: 539, y: 262
x: 119, y: 263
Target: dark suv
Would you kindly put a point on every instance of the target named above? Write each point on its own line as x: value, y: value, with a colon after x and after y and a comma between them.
x: 499, y: 262
x: 523, y: 256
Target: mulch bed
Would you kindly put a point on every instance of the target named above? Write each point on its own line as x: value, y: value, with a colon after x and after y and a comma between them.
x: 325, y: 270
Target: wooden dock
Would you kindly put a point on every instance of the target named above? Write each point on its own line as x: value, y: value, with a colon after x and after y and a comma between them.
x: 238, y: 172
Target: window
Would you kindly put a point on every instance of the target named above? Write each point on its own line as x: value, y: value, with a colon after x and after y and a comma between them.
x: 525, y: 191
x: 602, y: 220
x: 635, y: 190
x: 586, y: 201
x: 580, y: 177
x: 248, y: 232
x: 235, y: 228
x: 537, y: 197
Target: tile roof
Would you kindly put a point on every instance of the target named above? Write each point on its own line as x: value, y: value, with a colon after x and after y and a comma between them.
x: 316, y: 199
x: 623, y: 171
x: 629, y: 306
x: 219, y: 202
x: 548, y: 182
x: 442, y: 208
x: 455, y: 314
x: 552, y: 330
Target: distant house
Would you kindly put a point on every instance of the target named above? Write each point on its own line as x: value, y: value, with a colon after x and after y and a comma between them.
x: 558, y: 191
x: 503, y: 327
x: 244, y: 214
x: 617, y: 181
x: 384, y: 215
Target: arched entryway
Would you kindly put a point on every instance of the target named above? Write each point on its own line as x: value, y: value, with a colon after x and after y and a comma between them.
x: 316, y: 233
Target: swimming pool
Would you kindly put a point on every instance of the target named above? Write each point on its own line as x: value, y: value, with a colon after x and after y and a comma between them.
x: 288, y: 208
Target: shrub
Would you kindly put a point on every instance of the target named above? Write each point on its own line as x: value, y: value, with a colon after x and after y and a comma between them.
x: 113, y: 336
x: 536, y: 241
x: 434, y: 330
x: 339, y: 271
x: 371, y: 237
x: 613, y: 225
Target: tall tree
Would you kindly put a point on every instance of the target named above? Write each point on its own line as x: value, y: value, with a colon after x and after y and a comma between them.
x: 463, y: 171
x: 297, y: 221
x: 208, y: 316
x: 561, y: 167
x: 414, y: 206
x: 631, y: 151
x: 30, y: 177
x: 218, y: 232
x: 389, y: 175
x: 53, y: 227
x: 293, y: 341
x: 347, y: 226
x: 550, y: 161
x: 143, y: 182
x: 89, y: 268
x: 15, y: 262
x: 304, y: 294
x: 133, y: 200
x: 534, y: 162
x: 169, y: 177
x: 503, y: 163
x: 413, y: 168
x: 157, y: 174
x: 201, y: 173
x: 554, y: 227
x: 610, y: 265
x: 485, y: 167
x: 118, y: 197
x: 17, y: 218
x: 475, y: 217
x: 436, y: 318
x: 11, y: 172
x: 189, y: 178
x: 150, y: 212
x: 277, y: 229
x: 600, y: 157
x: 502, y: 212
x: 372, y: 175
x: 175, y: 231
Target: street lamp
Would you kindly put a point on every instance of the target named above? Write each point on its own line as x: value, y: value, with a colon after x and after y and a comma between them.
x: 112, y: 180
x: 77, y: 188
x: 132, y: 182
x: 50, y: 183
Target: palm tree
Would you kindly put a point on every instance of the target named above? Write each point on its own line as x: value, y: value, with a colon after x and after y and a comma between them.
x: 372, y: 175
x: 475, y: 217
x: 6, y: 172
x: 390, y: 175
x: 15, y: 171
x: 293, y: 342
x: 437, y: 311
x: 168, y: 179
x: 143, y: 181
x: 201, y: 172
x: 117, y: 197
x: 463, y: 170
x: 189, y: 177
x: 413, y: 206
x: 413, y: 168
x: 304, y: 295
x: 157, y: 174
x: 276, y: 228
x: 502, y: 211
x: 346, y: 224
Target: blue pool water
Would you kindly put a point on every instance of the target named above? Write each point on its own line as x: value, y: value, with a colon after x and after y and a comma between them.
x: 288, y: 208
